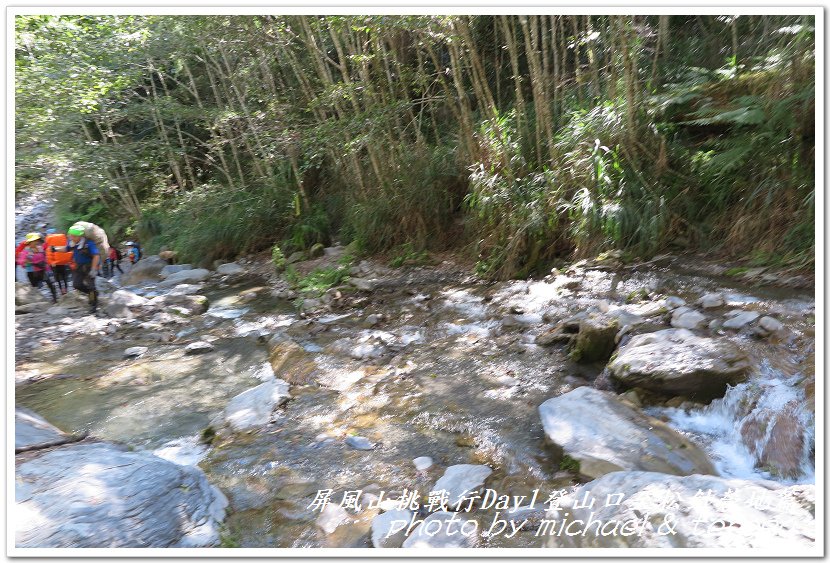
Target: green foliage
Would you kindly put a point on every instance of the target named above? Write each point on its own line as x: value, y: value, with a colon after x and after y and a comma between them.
x: 407, y: 255
x: 567, y: 463
x: 277, y: 258
x: 318, y: 280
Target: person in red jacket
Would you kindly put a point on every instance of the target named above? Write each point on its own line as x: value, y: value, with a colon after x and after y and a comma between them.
x: 33, y: 259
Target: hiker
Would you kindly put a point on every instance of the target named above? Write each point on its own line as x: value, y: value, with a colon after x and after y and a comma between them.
x: 87, y: 260
x: 113, y: 261
x: 33, y: 260
x: 134, y: 253
x: 60, y: 262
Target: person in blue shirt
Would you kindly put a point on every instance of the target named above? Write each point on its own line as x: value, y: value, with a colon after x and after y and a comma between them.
x: 87, y: 260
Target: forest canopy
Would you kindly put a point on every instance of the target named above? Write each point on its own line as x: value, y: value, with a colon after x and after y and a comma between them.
x: 519, y: 139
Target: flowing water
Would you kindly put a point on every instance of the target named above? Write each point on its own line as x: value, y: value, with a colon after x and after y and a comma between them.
x: 452, y: 373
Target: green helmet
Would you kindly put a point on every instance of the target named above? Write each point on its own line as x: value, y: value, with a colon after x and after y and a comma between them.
x: 76, y: 230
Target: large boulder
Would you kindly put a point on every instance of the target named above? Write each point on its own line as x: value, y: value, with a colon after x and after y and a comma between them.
x: 290, y: 361
x: 31, y: 431
x: 601, y: 434
x: 596, y: 339
x: 675, y: 362
x: 252, y: 408
x: 653, y: 510
x: 230, y: 269
x: 168, y: 270
x: 102, y: 495
x: 185, y: 276
x: 147, y: 269
x: 25, y: 294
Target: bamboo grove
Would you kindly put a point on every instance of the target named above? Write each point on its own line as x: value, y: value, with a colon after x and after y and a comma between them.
x: 516, y: 138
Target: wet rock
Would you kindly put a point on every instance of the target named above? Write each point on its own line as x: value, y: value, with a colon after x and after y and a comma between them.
x: 363, y: 284
x: 173, y: 268
x: 367, y: 350
x: 675, y: 362
x: 185, y: 276
x: 760, y: 514
x: 332, y: 517
x: 147, y: 269
x: 602, y: 435
x: 595, y: 341
x: 684, y: 317
x: 291, y: 362
x: 770, y: 324
x: 359, y: 443
x: 437, y: 531
x: 192, y: 304
x: 389, y: 530
x: 777, y: 440
x: 135, y: 352
x: 422, y: 463
x: 32, y: 431
x: 100, y: 495
x: 200, y: 347
x: 460, y: 479
x: 737, y: 319
x: 711, y: 301
x: 230, y: 269
x: 374, y: 319
x: 252, y: 408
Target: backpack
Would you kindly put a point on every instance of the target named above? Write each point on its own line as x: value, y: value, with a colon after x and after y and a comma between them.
x: 97, y: 235
x: 118, y: 255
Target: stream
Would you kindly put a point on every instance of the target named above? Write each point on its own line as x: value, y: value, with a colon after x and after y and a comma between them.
x: 447, y: 369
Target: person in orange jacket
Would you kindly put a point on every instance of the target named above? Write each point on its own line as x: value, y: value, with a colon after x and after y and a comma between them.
x: 61, y: 262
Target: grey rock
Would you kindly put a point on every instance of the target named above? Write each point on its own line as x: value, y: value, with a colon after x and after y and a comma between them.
x: 195, y: 304
x: 332, y: 517
x: 135, y: 351
x: 295, y: 257
x: 25, y: 294
x: 675, y: 362
x: 100, y: 495
x: 385, y: 524
x: 185, y: 276
x: 460, y: 479
x: 29, y: 308
x: 711, y: 300
x: 170, y: 269
x: 359, y: 443
x: 200, y: 347
x: 437, y: 532
x: 601, y: 433
x: 770, y: 324
x: 363, y: 284
x: 230, y: 269
x: 739, y: 319
x: 184, y: 289
x: 684, y: 317
x: 422, y: 463
x: 252, y: 408
x: 673, y: 302
x: 31, y: 430
x: 148, y: 268
x: 127, y: 298
x: 595, y: 340
x: 786, y: 522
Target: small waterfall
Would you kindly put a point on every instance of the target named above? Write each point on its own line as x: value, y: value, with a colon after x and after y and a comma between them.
x: 762, y: 428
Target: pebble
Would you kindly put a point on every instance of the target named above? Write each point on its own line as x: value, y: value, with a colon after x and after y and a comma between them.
x: 360, y: 443
x: 422, y: 463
